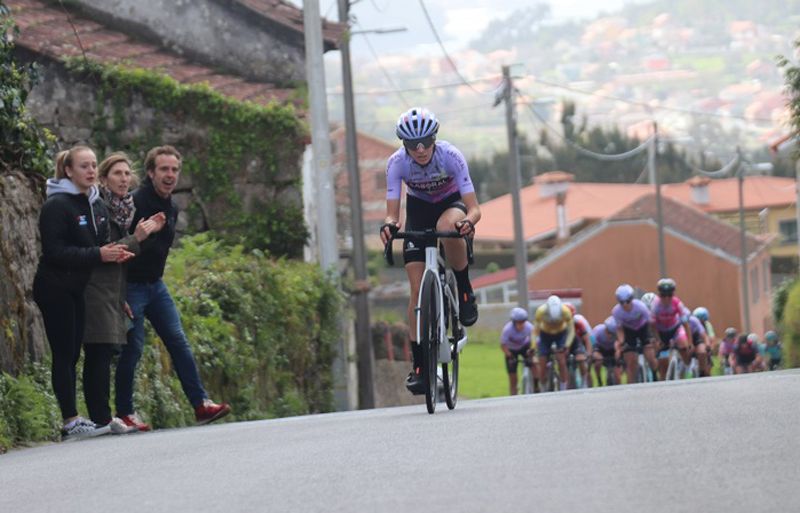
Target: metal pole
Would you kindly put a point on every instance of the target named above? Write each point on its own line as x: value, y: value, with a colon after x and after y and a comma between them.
x: 366, y: 393
x: 651, y: 163
x: 323, y: 177
x: 515, y: 182
x: 743, y: 243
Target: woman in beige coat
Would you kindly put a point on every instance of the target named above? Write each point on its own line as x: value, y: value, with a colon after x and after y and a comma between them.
x: 106, y: 310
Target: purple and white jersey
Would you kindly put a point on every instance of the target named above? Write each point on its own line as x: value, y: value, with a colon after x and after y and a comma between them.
x: 516, y: 340
x: 602, y: 338
x: 635, y: 319
x: 698, y: 330
x: 445, y: 174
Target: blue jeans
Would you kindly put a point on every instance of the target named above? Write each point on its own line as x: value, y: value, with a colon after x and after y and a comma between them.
x: 152, y: 300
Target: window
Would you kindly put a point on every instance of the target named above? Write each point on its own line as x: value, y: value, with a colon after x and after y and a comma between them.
x: 788, y: 231
x: 754, y: 284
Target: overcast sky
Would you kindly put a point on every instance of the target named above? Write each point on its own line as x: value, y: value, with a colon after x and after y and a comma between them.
x: 457, y: 21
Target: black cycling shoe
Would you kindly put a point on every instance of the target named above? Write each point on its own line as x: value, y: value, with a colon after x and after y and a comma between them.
x: 467, y: 308
x: 415, y: 383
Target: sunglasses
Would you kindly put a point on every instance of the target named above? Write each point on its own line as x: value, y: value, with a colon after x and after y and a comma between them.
x: 626, y: 302
x: 414, y: 144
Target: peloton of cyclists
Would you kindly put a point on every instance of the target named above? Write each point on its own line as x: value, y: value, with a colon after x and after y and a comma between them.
x: 515, y: 341
x: 634, y: 321
x: 553, y: 325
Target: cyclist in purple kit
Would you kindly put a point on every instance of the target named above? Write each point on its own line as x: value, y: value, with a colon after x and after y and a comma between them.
x: 633, y: 325
x: 515, y: 341
x: 605, y: 348
x: 439, y: 195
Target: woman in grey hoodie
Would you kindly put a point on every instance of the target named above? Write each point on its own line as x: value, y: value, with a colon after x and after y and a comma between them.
x: 74, y: 228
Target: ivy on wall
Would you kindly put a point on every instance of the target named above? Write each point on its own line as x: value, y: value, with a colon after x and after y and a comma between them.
x: 25, y: 146
x: 228, y: 140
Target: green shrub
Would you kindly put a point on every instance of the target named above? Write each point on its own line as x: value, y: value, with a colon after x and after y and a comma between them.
x: 26, y: 146
x: 263, y: 333
x: 28, y: 410
x: 791, y: 326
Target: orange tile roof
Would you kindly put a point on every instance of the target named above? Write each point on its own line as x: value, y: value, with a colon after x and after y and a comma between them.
x: 591, y: 202
x: 759, y: 192
x: 584, y: 202
x: 692, y: 223
x: 45, y: 30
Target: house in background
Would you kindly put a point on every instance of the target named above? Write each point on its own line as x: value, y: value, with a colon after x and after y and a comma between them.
x: 373, y: 154
x: 702, y: 255
x: 769, y: 207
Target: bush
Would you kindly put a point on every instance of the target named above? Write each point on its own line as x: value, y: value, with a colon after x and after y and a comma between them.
x: 26, y: 146
x: 791, y: 326
x: 263, y: 333
x: 28, y: 410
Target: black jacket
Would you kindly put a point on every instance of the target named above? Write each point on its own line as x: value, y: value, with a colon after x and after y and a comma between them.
x: 71, y: 239
x: 148, y: 266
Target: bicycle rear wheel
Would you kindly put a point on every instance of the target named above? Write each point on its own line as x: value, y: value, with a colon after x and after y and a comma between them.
x: 429, y: 334
x: 450, y: 371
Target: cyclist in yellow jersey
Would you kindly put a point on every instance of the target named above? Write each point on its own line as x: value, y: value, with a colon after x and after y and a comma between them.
x: 553, y: 324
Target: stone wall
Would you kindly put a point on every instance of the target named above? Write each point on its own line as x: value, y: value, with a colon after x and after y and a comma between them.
x: 22, y: 336
x: 212, y: 32
x: 70, y: 106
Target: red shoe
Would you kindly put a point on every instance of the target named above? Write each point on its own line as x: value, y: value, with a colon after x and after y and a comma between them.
x: 210, y: 411
x: 133, y: 420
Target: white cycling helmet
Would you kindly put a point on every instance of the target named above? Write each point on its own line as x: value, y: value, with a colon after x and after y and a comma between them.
x: 554, y: 309
x: 519, y: 314
x: 624, y: 292
x: 648, y: 299
x: 416, y: 123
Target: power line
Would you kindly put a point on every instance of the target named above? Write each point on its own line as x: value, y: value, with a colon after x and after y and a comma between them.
x: 444, y: 50
x: 644, y: 104
x: 580, y: 149
x: 397, y: 90
x: 421, y: 88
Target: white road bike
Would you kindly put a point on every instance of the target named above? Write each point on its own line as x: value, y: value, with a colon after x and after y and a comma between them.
x: 438, y: 327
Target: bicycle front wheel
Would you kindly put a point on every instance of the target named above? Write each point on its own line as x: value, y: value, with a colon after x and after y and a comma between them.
x: 429, y: 334
x: 450, y: 371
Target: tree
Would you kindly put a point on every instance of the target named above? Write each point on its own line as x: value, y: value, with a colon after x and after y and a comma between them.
x: 26, y: 147
x: 791, y: 72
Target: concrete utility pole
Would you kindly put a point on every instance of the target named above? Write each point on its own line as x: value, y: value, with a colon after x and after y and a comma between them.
x: 366, y: 393
x: 515, y: 182
x: 743, y: 242
x: 652, y: 149
x: 323, y: 177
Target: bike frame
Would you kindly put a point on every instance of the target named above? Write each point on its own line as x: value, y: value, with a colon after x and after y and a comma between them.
x: 434, y: 264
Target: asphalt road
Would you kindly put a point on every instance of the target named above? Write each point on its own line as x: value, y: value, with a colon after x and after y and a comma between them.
x: 721, y: 444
